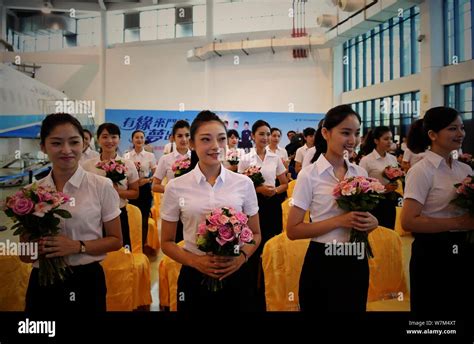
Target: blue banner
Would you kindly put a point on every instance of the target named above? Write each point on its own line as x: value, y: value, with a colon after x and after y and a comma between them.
x: 158, y: 124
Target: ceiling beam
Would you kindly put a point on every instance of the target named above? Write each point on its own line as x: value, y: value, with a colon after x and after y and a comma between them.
x: 102, y: 5
x: 61, y: 6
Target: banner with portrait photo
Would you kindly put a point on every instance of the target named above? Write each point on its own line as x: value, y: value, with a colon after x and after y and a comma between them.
x: 158, y: 124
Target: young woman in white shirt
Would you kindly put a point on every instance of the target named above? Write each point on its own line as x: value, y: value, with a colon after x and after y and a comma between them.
x: 181, y: 136
x: 269, y: 197
x: 272, y: 168
x: 190, y: 198
x: 330, y: 283
x: 442, y: 260
x: 411, y: 158
x: 87, y: 152
x: 108, y: 137
x: 376, y: 147
x: 147, y: 167
x: 232, y: 143
x: 81, y: 241
x: 308, y: 134
x: 273, y: 146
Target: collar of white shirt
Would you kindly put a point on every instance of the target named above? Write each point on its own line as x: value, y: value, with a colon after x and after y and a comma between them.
x: 177, y: 154
x: 322, y: 164
x: 376, y: 154
x: 253, y: 153
x: 199, y: 176
x: 75, y: 180
x: 434, y: 158
x: 134, y: 153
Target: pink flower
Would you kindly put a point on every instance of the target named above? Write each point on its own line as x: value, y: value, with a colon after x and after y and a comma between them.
x: 241, y: 217
x: 223, y: 219
x: 225, y: 235
x: 348, y: 190
x: 42, y: 208
x: 22, y: 206
x: 214, y: 219
x: 246, y: 235
x: 234, y: 220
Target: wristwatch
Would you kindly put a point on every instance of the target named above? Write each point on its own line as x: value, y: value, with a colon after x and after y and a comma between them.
x: 83, y: 247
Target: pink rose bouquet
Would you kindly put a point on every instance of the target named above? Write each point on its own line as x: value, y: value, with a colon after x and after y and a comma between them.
x: 36, y: 212
x: 465, y: 199
x: 232, y: 157
x: 181, y: 166
x: 115, y: 170
x: 393, y: 173
x: 253, y: 172
x: 223, y: 233
x: 359, y: 194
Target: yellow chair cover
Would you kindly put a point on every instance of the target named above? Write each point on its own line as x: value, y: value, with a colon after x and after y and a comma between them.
x: 141, y: 264
x: 153, y: 238
x: 400, y: 187
x: 135, y: 224
x: 291, y: 187
x: 168, y: 273
x: 285, y: 208
x: 387, y: 285
x: 398, y: 223
x: 119, y: 276
x: 14, y: 277
x: 282, y: 261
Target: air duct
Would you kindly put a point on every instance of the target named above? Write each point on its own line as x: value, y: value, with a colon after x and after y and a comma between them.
x: 351, y: 5
x: 326, y: 20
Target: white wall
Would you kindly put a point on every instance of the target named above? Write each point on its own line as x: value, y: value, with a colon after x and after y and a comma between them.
x: 160, y: 77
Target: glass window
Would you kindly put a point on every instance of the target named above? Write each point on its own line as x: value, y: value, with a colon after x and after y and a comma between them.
x: 184, y: 30
x: 132, y: 35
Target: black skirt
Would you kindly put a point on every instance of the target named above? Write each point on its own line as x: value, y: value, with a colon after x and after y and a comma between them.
x: 333, y: 283
x: 125, y: 228
x: 84, y: 290
x: 143, y: 202
x: 386, y: 210
x: 441, y: 273
x: 270, y: 217
x: 193, y: 294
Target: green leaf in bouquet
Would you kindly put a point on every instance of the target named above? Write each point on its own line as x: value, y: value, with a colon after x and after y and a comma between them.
x: 9, y: 212
x: 19, y: 231
x: 63, y: 213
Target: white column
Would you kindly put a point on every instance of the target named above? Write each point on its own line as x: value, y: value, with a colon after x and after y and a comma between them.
x: 100, y: 117
x: 337, y: 74
x: 432, y: 56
